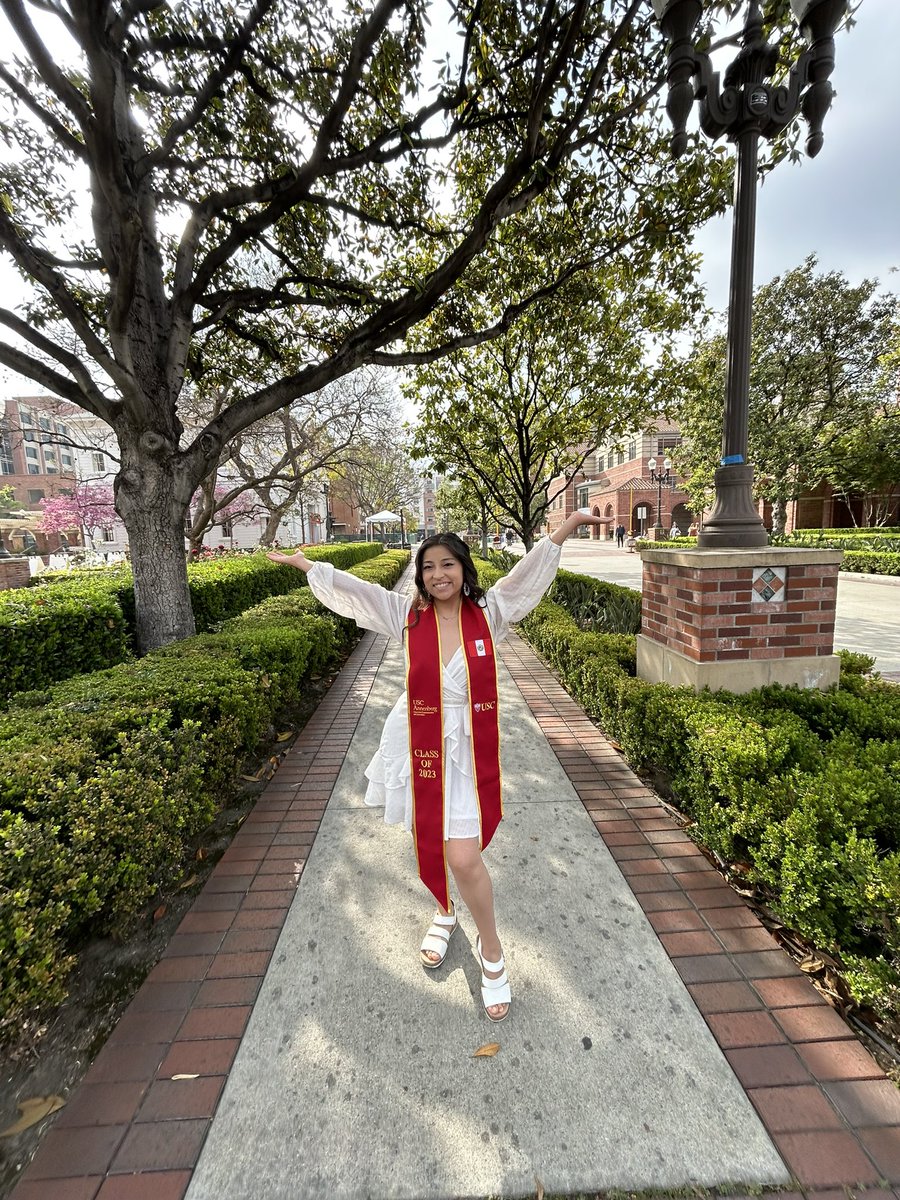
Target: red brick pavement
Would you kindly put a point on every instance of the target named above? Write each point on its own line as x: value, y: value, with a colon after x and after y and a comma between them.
x: 132, y: 1132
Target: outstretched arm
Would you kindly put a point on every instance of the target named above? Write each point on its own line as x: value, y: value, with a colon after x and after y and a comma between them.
x: 298, y: 559
x: 571, y: 523
x: 369, y: 604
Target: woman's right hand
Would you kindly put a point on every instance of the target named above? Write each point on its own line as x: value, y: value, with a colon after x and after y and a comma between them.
x: 298, y: 559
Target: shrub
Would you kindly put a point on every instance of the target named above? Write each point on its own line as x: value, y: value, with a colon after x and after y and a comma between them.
x: 871, y: 562
x: 104, y: 778
x: 801, y: 785
x: 597, y: 605
x: 82, y: 621
x: 47, y: 634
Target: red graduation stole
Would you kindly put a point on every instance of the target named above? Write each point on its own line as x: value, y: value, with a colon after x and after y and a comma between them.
x: 426, y: 734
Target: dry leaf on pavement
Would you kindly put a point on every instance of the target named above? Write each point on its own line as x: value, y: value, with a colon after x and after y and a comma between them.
x: 32, y: 1110
x: 539, y: 1194
x: 185, y: 1076
x: 487, y: 1051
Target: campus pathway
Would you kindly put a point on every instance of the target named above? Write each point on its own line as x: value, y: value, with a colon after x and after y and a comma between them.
x: 289, y: 1045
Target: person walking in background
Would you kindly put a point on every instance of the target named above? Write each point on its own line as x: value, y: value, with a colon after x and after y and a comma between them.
x: 437, y: 769
x: 620, y: 536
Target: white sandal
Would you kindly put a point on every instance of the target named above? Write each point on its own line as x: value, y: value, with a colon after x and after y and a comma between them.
x: 437, y: 939
x: 494, y: 991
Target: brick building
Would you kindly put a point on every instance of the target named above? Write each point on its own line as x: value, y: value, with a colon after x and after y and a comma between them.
x: 37, y: 463
x: 615, y: 483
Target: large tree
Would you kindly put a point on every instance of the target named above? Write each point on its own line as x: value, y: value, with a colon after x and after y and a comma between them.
x: 301, y: 182
x: 862, y: 465
x: 816, y: 375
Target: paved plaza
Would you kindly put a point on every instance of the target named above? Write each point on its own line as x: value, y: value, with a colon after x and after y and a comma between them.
x: 289, y: 1045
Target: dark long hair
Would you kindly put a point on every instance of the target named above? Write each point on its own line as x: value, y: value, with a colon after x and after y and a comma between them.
x: 460, y: 551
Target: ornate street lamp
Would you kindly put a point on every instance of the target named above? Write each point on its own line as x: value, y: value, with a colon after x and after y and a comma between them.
x: 746, y: 109
x: 663, y: 478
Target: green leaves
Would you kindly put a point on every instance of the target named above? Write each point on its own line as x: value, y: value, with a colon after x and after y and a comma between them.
x: 817, y: 385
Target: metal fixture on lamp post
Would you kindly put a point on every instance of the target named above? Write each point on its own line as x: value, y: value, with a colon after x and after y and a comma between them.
x: 663, y: 478
x: 746, y: 109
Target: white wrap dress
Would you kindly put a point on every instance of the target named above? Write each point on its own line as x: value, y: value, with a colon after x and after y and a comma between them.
x: 373, y: 607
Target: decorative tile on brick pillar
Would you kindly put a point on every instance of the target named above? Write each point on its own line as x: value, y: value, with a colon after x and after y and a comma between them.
x: 739, y: 619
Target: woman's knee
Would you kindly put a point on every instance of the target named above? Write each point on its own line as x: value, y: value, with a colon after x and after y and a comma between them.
x: 464, y: 857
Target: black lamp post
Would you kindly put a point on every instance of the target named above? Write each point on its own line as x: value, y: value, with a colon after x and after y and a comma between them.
x: 329, y: 522
x: 746, y: 109
x: 663, y: 478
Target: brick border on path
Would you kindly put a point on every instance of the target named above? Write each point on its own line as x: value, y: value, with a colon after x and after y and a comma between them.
x: 131, y: 1132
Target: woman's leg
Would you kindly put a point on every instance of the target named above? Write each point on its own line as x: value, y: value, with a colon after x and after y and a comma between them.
x: 474, y: 883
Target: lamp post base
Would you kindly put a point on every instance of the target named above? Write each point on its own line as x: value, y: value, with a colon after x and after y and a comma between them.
x: 735, y: 521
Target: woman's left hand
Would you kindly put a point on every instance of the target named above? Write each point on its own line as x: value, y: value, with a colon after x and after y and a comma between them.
x: 571, y: 523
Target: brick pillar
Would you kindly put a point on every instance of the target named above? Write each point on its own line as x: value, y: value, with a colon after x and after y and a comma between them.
x: 739, y: 619
x: 14, y: 573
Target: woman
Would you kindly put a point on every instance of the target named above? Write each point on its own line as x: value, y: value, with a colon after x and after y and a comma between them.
x: 437, y: 769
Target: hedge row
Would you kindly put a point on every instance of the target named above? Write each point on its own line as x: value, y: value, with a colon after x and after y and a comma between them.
x: 107, y: 777
x: 880, y: 537
x: 801, y: 786
x: 865, y: 562
x: 84, y: 620
x: 871, y: 562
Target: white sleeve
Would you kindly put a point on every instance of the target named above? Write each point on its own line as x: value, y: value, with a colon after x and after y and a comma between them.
x: 370, y: 605
x: 516, y: 594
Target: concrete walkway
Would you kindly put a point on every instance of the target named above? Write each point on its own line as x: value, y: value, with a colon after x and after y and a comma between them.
x: 607, y: 1077
x: 290, y: 1045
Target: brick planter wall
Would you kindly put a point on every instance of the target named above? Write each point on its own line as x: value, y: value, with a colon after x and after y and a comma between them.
x: 738, y: 619
x: 14, y: 573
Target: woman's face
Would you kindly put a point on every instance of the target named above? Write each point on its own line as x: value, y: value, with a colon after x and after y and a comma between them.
x: 442, y: 573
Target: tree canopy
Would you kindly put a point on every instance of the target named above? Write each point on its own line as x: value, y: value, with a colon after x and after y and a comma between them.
x: 817, y: 376
x: 518, y: 412
x: 286, y: 192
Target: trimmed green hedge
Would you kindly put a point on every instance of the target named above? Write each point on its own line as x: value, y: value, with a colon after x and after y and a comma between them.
x: 84, y: 620
x: 52, y: 633
x: 871, y: 561
x: 801, y: 785
x: 107, y: 777
x: 879, y: 537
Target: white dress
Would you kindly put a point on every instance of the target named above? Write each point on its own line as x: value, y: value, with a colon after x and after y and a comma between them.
x: 373, y: 607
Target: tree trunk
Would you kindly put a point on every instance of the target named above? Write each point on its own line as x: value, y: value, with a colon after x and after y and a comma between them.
x: 528, y: 539
x: 779, y: 517
x: 152, y: 503
x: 272, y: 523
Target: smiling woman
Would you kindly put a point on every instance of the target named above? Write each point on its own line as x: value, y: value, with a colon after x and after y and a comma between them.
x: 437, y: 768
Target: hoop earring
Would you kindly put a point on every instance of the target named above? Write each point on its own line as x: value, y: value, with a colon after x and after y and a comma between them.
x: 467, y: 591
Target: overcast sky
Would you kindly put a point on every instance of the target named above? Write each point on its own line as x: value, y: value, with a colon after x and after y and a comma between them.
x: 843, y: 205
